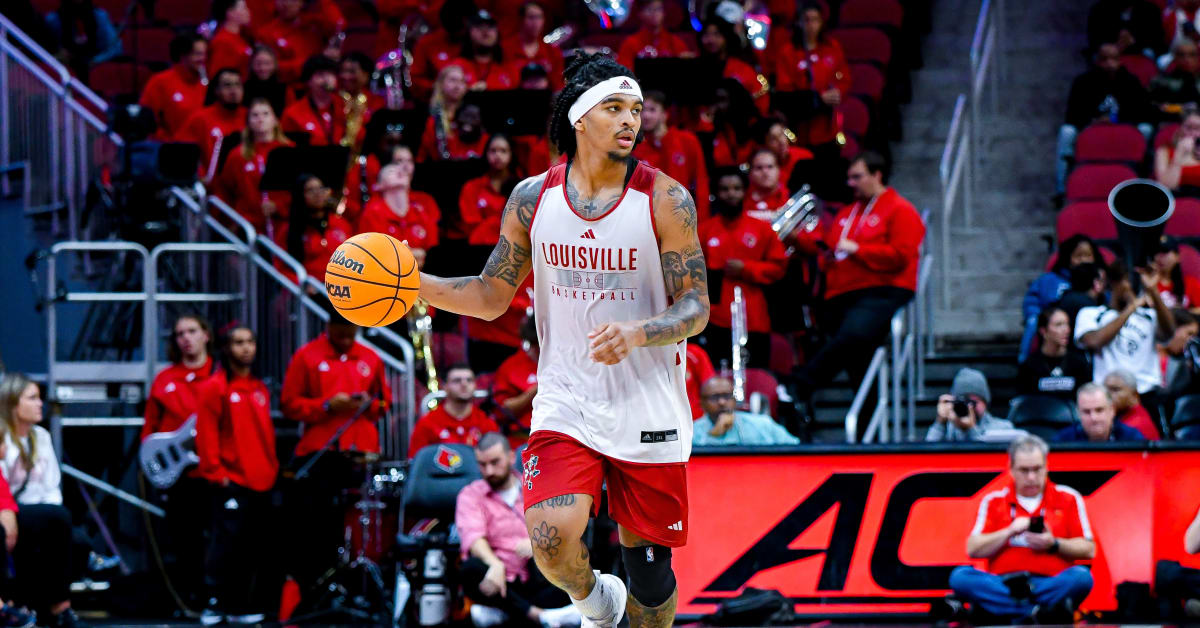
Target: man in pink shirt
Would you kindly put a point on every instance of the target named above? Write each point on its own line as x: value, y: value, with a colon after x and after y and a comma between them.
x: 497, y: 573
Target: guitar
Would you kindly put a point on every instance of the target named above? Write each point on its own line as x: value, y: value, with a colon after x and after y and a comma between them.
x: 164, y: 456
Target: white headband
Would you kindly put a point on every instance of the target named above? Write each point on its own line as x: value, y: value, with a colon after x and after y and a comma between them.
x: 600, y: 91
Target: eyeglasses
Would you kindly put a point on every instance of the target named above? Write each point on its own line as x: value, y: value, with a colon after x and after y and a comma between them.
x: 719, y: 396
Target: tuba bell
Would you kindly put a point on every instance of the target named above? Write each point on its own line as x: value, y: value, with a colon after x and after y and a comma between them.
x: 1140, y: 207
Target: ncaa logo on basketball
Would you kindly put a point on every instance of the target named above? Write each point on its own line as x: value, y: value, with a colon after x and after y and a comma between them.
x: 339, y: 259
x: 341, y: 292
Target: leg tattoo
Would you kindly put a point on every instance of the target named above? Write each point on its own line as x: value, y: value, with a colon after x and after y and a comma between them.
x: 660, y: 616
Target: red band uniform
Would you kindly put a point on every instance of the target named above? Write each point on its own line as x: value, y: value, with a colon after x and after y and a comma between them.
x: 439, y: 426
x: 173, y: 95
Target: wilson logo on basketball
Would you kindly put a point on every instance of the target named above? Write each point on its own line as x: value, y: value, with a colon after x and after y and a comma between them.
x: 341, y: 292
x: 340, y: 259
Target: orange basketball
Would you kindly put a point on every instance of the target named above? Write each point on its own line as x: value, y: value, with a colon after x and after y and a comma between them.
x: 372, y: 279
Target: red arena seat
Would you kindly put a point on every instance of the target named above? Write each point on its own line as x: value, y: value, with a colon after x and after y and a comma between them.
x: 856, y: 118
x: 1091, y: 218
x: 1185, y: 222
x: 1141, y: 67
x: 882, y: 13
x: 866, y: 80
x: 1092, y: 182
x: 865, y: 45
x: 1189, y: 260
x: 1110, y: 143
x: 148, y: 44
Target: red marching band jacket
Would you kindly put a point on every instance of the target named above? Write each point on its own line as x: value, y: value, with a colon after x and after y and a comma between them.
x: 235, y: 437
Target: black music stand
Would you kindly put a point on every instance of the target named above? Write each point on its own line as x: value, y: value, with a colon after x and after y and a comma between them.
x: 284, y: 164
x: 690, y: 81
x: 799, y: 106
x: 513, y: 111
x: 410, y: 123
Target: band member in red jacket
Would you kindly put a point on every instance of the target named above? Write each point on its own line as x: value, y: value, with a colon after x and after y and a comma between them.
x: 673, y: 150
x: 456, y: 419
x: 239, y: 181
x: 870, y: 255
x: 766, y: 192
x: 515, y: 383
x: 400, y: 211
x: 178, y: 91
x: 223, y: 116
x: 652, y: 39
x: 319, y: 114
x: 239, y: 417
x: 230, y: 47
x: 748, y: 255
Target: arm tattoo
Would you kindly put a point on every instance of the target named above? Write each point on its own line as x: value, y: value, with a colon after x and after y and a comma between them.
x: 523, y: 201
x: 506, y: 261
x: 683, y: 206
x: 687, y: 314
x: 546, y: 539
x: 592, y: 207
x: 507, y: 258
x: 555, y: 502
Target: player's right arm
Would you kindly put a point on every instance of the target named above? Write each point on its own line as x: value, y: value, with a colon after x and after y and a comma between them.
x: 488, y: 295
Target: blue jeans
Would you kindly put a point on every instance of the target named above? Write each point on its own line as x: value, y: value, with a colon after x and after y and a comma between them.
x: 988, y: 591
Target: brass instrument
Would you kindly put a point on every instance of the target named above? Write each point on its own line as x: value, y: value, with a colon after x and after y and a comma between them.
x: 740, y: 336
x: 355, y: 110
x: 420, y: 331
x: 801, y: 210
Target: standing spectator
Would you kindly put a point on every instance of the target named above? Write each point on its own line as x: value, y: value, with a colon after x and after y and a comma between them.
x: 448, y: 95
x: 1177, y: 165
x: 42, y: 558
x: 971, y: 388
x: 1106, y: 92
x: 814, y: 61
x: 1135, y: 26
x: 775, y: 139
x: 1179, y: 358
x: 1056, y: 368
x: 1031, y: 575
x: 528, y: 46
x: 721, y: 44
x: 1127, y: 404
x: 229, y: 47
x: 298, y: 33
x: 1178, y: 87
x: 263, y: 81
x: 82, y: 35
x: 482, y: 59
x: 223, y: 116
x: 767, y: 193
x: 1120, y: 334
x: 699, y: 370
x: 1097, y: 422
x: 652, y: 39
x: 244, y: 167
x: 516, y: 382
x: 498, y: 573
x: 317, y: 114
x: 1088, y: 283
x: 673, y: 150
x: 1176, y: 289
x: 313, y: 230
x: 400, y: 211
x: 748, y: 254
x: 724, y: 425
x: 870, y: 256
x: 482, y: 199
x: 177, y: 92
x: 456, y: 419
x: 1049, y: 287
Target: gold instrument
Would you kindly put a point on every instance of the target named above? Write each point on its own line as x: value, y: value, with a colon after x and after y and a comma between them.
x: 801, y: 210
x: 740, y: 335
x: 355, y: 109
x: 420, y: 331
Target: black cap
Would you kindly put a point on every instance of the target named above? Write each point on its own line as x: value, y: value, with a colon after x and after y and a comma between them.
x: 481, y: 16
x: 1164, y: 244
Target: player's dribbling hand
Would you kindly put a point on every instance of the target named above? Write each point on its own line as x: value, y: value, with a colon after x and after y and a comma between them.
x: 612, y: 342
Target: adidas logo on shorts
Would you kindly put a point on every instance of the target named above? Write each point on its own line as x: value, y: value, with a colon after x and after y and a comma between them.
x: 677, y: 526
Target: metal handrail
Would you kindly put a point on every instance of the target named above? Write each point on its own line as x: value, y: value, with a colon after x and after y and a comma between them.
x: 860, y: 397
x: 231, y: 214
x: 954, y: 172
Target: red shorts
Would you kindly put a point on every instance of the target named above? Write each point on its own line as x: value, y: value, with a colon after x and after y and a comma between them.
x: 650, y: 500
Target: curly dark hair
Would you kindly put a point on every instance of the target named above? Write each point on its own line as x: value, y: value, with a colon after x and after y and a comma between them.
x: 581, y: 74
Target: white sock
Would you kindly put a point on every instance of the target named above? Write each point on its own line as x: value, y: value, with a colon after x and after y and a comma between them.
x: 596, y: 604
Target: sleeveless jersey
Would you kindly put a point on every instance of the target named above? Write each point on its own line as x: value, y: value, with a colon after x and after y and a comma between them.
x: 587, y: 272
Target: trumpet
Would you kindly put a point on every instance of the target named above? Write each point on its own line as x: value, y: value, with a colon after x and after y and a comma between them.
x: 801, y: 210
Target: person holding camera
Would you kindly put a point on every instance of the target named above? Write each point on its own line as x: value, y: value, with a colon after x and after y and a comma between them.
x: 962, y: 415
x: 1031, y: 532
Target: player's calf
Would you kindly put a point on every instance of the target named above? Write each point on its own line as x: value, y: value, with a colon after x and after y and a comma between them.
x: 652, y: 591
x: 556, y: 527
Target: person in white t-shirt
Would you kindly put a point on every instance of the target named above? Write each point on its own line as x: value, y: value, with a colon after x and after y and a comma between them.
x: 1121, y: 334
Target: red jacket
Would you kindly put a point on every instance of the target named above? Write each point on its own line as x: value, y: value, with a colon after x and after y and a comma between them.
x: 237, y: 420
x: 761, y: 204
x: 678, y: 154
x: 516, y: 374
x: 439, y: 427
x: 208, y: 125
x: 317, y: 372
x: 754, y: 243
x: 229, y: 50
x: 174, y: 396
x: 1139, y: 419
x: 318, y: 246
x: 418, y: 226
x: 505, y: 329
x: 699, y: 369
x: 430, y: 54
x: 647, y: 44
x: 173, y: 95
x: 1065, y: 516
x: 480, y: 206
x: 294, y: 42
x: 795, y: 154
x: 497, y: 76
x: 6, y: 499
x: 889, y: 244
x: 457, y: 148
x: 325, y: 127
x: 755, y: 83
x: 547, y: 56
x: 238, y: 185
x: 819, y: 70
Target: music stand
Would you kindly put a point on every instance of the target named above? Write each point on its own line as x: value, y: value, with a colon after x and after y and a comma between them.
x: 798, y: 106
x: 410, y: 123
x: 691, y: 81
x: 512, y: 111
x: 285, y: 163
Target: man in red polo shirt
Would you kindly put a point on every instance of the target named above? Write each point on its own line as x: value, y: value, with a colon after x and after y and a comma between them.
x: 652, y: 40
x: 1032, y: 532
x: 672, y: 150
x: 317, y: 114
x: 456, y: 419
x: 178, y: 91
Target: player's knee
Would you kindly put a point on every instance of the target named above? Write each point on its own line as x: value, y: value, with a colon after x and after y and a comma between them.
x: 651, y: 579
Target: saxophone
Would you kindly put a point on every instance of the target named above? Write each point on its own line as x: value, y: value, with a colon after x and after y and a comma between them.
x: 420, y: 330
x: 739, y: 333
x: 355, y: 110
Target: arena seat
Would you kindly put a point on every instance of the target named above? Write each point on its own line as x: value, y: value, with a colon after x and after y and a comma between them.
x: 357, y: 15
x: 360, y: 40
x: 1165, y: 133
x: 1041, y: 414
x: 1121, y: 143
x: 763, y: 382
x: 856, y: 118
x: 437, y: 473
x: 183, y: 12
x: 1189, y: 260
x: 875, y: 13
x: 1185, y: 222
x: 850, y: 148
x: 867, y: 80
x: 1090, y: 218
x: 783, y: 354
x: 865, y: 45
x: 1093, y: 182
x: 111, y: 79
x: 149, y: 44
x: 1186, y: 418
x: 1143, y: 68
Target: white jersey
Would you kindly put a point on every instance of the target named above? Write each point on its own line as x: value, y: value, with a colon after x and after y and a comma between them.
x: 587, y: 272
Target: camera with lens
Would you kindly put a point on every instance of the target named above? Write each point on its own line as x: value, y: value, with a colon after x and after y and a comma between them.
x: 963, y: 406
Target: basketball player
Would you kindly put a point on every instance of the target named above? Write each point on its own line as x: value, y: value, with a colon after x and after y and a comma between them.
x: 620, y: 284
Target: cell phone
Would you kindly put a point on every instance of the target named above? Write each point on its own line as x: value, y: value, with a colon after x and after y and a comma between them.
x: 1037, y: 525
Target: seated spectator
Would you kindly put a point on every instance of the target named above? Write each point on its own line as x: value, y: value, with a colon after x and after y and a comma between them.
x: 747, y: 254
x: 673, y: 150
x: 724, y: 426
x: 1179, y: 86
x: 10, y: 613
x: 1121, y: 333
x: 1178, y: 26
x: 223, y: 116
x: 1097, y: 422
x: 1176, y: 289
x: 238, y: 183
x: 482, y: 59
x: 177, y: 92
x: 1056, y: 368
x: 1106, y: 92
x: 456, y: 419
x: 720, y: 43
x: 317, y: 114
x: 433, y: 51
x: 699, y: 370
x: 313, y: 230
x: 498, y: 572
x: 263, y: 81
x: 1177, y: 165
x: 652, y: 39
x: 400, y: 211
x: 354, y: 79
x: 1180, y: 358
x: 1032, y: 575
x: 229, y: 46
x: 515, y: 383
x: 469, y: 140
x: 299, y: 31
x: 1135, y: 26
x: 814, y: 61
x: 766, y: 193
x: 42, y: 558
x: 1050, y: 286
x: 1088, y: 283
x: 528, y: 47
x: 775, y: 138
x: 971, y: 388
x: 1127, y: 404
x: 725, y: 125
x: 482, y: 199
x: 448, y: 93
x: 82, y: 35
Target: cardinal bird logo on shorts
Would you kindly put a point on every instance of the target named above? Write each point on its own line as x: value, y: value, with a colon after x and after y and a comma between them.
x: 531, y: 471
x: 447, y: 459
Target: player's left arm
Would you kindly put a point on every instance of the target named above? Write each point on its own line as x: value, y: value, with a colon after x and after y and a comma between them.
x: 685, y: 275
